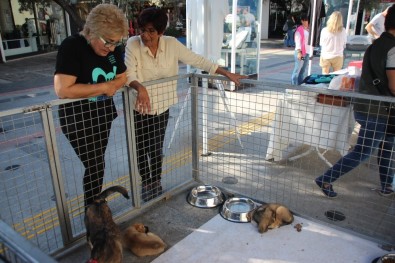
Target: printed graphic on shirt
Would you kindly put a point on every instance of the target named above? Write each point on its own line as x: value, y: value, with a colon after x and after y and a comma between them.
x: 98, y: 72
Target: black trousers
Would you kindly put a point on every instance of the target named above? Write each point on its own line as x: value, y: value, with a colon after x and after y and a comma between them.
x: 150, y: 134
x: 88, y: 133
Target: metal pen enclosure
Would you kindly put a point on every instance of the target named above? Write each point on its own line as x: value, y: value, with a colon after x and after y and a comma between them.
x: 41, y: 176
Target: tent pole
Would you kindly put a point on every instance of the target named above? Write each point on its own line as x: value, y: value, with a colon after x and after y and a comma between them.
x: 349, y: 17
x: 311, y: 37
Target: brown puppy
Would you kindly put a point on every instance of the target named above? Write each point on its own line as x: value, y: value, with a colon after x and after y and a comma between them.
x: 102, y: 233
x: 269, y: 216
x: 141, y: 242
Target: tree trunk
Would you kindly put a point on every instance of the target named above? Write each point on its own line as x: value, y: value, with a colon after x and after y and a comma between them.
x: 71, y: 10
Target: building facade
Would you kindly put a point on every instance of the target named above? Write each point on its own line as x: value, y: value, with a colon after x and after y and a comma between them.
x: 46, y: 24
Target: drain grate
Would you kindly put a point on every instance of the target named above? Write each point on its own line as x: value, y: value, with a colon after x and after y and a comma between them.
x: 335, y: 215
x: 12, y: 167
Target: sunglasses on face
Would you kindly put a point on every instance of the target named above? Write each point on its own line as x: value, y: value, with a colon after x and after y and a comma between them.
x: 110, y: 44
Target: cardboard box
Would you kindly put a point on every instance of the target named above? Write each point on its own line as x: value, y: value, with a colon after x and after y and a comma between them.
x: 355, y: 63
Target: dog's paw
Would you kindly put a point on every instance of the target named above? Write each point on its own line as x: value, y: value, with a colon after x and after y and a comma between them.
x: 273, y: 226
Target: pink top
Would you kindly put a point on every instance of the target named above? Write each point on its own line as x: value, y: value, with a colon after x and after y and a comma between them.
x: 302, y: 44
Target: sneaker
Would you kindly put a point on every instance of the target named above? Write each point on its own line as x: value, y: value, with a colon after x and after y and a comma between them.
x: 387, y: 192
x: 328, y: 191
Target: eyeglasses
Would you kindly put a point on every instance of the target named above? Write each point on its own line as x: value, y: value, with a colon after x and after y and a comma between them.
x: 150, y: 31
x: 109, y: 44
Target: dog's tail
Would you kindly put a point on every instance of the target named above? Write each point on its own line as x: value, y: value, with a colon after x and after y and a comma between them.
x: 122, y: 190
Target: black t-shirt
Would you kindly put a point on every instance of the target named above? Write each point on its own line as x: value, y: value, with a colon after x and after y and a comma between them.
x: 77, y: 58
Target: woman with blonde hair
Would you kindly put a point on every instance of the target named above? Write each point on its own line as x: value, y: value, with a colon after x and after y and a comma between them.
x: 90, y: 65
x: 333, y: 41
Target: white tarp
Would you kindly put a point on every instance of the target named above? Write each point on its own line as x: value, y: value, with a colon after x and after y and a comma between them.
x: 223, y: 241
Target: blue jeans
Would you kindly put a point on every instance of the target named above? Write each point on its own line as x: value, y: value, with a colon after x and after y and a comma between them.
x: 371, y: 136
x: 290, y: 38
x: 298, y: 73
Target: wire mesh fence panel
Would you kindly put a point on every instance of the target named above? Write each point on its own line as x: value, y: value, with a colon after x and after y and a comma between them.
x: 27, y: 202
x: 271, y: 143
x: 177, y: 152
x: 91, y: 141
x: 16, y: 249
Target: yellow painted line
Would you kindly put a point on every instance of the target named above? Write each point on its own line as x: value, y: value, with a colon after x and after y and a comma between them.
x: 48, y: 219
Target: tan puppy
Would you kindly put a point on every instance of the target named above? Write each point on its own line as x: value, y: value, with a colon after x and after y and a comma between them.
x: 141, y: 242
x: 102, y: 234
x: 269, y: 216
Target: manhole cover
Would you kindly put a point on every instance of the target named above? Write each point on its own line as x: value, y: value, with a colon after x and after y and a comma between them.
x: 12, y: 167
x: 229, y: 180
x: 335, y: 215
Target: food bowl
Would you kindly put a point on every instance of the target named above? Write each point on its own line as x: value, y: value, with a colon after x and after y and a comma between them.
x: 235, y: 209
x: 205, y: 196
x: 387, y: 258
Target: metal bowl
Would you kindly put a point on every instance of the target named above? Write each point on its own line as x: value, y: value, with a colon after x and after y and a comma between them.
x: 235, y: 209
x: 387, y: 258
x: 205, y: 196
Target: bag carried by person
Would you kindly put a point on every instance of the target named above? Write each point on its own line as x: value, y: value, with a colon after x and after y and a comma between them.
x: 390, y: 108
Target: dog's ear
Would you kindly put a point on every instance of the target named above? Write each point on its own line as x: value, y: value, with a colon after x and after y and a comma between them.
x: 146, y: 229
x: 139, y: 227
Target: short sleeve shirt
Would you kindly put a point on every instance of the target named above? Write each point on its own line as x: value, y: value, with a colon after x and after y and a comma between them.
x: 77, y: 58
x: 378, y: 23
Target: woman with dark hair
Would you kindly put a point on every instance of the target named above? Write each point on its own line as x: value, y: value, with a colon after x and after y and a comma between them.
x: 377, y: 78
x: 152, y: 56
x: 301, y: 54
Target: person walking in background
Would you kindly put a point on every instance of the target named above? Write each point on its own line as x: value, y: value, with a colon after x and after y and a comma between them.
x: 378, y: 78
x: 290, y: 31
x: 152, y: 56
x: 248, y: 18
x: 332, y: 41
x: 90, y: 65
x: 376, y: 26
x: 302, y: 48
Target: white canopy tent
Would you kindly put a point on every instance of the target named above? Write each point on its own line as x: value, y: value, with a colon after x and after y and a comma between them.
x: 205, y: 21
x: 205, y: 30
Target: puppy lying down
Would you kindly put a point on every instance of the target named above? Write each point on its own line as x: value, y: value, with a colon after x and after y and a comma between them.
x: 141, y: 242
x: 270, y: 216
